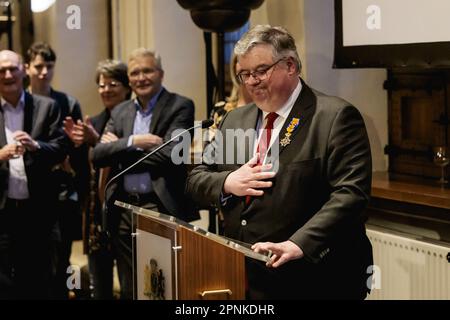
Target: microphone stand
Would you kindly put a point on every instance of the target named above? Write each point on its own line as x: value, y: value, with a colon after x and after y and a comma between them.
x: 204, y: 124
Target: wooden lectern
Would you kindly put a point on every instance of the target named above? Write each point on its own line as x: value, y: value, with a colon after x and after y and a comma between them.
x: 176, y: 260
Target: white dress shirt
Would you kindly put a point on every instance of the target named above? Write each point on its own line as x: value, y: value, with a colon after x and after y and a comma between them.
x: 17, y: 182
x: 283, y: 114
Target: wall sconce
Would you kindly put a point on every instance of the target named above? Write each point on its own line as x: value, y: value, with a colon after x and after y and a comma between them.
x: 41, y: 5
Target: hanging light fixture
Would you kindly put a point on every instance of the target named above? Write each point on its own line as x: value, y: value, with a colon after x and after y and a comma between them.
x: 41, y: 5
x: 220, y: 15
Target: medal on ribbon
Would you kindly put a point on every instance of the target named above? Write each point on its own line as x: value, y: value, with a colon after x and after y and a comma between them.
x: 295, y: 122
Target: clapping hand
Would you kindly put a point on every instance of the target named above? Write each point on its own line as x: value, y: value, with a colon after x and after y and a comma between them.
x: 81, y: 132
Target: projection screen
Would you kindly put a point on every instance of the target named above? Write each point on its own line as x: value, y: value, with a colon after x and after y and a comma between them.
x: 392, y: 33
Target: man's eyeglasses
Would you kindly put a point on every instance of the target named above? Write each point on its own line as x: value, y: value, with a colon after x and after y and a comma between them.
x: 259, y: 74
x: 111, y: 85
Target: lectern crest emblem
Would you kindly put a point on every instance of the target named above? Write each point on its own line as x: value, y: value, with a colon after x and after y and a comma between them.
x: 154, y: 285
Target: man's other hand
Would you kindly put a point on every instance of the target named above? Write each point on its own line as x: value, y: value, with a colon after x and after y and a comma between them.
x: 282, y: 252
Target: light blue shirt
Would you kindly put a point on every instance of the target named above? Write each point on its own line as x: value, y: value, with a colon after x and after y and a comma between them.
x: 141, y: 182
x: 17, y: 180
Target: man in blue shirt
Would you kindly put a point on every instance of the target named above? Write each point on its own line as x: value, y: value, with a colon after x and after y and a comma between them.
x: 141, y: 125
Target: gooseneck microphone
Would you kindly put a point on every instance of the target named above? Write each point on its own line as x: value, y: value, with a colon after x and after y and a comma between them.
x: 204, y: 124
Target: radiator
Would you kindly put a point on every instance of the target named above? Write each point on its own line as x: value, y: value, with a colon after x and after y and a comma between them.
x: 408, y: 269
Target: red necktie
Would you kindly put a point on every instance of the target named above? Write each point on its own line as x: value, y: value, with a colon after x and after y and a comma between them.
x: 264, y: 142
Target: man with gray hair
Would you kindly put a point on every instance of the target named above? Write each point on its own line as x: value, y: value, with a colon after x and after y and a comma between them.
x: 141, y: 125
x: 308, y: 215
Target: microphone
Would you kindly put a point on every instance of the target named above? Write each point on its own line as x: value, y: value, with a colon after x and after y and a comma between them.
x: 204, y: 124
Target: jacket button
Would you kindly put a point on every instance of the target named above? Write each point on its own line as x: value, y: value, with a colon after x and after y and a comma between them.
x: 243, y: 223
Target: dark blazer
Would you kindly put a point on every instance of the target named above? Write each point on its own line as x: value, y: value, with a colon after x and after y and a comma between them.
x: 42, y: 122
x: 99, y: 121
x: 78, y: 181
x: 317, y: 200
x: 69, y: 105
x: 78, y: 157
x: 171, y: 112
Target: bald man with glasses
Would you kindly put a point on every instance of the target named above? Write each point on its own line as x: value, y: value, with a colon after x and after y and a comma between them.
x: 31, y: 126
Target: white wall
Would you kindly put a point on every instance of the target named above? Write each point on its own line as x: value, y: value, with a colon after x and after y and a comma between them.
x: 182, y: 48
x: 362, y: 87
x: 164, y: 26
x: 132, y: 26
x: 286, y: 13
x: 78, y: 51
x: 311, y: 22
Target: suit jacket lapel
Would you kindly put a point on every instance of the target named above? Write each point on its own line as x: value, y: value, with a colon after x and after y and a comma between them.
x: 100, y: 121
x: 303, y: 109
x: 28, y: 116
x: 131, y: 115
x: 250, y: 121
x: 27, y: 119
x: 2, y: 128
x: 159, y: 106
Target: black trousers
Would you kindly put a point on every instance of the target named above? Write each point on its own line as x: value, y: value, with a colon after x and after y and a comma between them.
x: 67, y: 229
x: 25, y: 250
x: 302, y: 280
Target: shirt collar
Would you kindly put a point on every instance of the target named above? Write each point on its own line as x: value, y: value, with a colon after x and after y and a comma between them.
x: 151, y: 104
x: 284, y: 111
x: 20, y: 104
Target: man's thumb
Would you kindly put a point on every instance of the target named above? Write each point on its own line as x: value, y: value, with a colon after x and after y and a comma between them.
x: 253, y: 161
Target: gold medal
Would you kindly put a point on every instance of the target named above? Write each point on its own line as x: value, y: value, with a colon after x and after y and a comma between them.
x: 285, y: 141
x: 289, y: 130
